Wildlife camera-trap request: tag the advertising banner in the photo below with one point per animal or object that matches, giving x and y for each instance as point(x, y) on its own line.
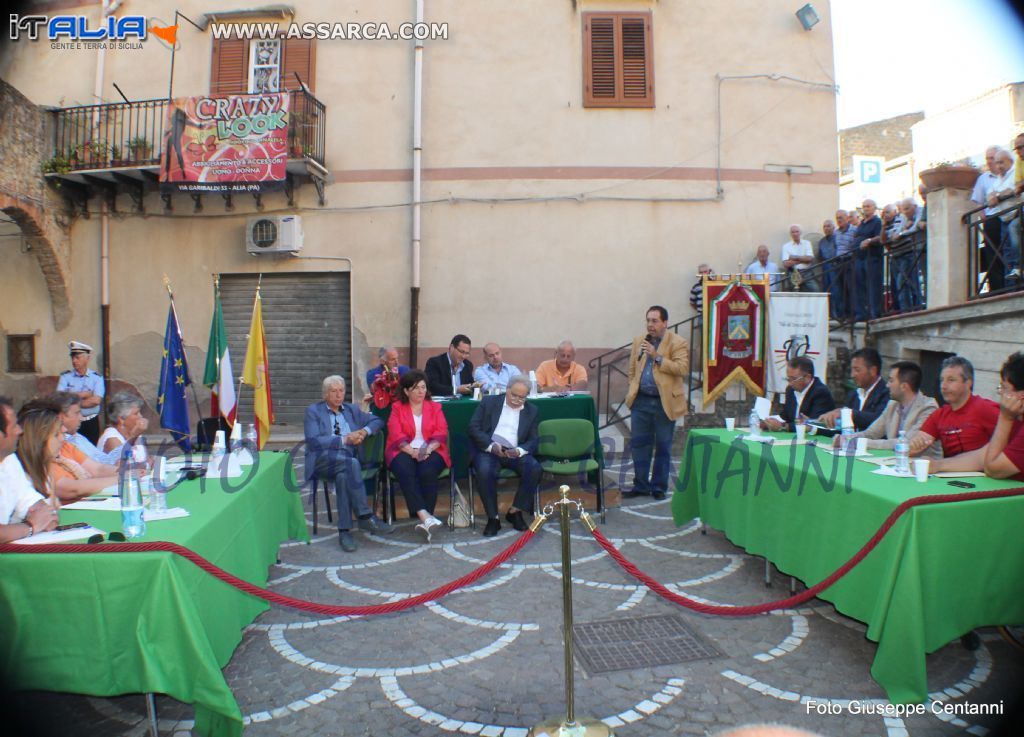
point(797, 326)
point(225, 143)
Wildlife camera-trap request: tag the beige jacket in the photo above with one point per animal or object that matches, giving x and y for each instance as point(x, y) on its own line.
point(882, 433)
point(675, 363)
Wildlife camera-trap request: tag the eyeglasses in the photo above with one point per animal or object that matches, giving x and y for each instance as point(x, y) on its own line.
point(517, 398)
point(337, 427)
point(114, 537)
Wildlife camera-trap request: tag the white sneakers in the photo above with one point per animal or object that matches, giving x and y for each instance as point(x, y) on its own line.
point(428, 525)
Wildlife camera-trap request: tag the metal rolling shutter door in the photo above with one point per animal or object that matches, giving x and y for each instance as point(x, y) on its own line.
point(306, 318)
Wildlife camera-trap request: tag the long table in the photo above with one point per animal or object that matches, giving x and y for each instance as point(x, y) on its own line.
point(458, 413)
point(152, 622)
point(941, 571)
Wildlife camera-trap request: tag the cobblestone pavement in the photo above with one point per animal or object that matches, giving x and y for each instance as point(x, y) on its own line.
point(488, 660)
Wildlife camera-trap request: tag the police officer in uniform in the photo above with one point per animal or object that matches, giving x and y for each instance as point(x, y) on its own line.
point(88, 385)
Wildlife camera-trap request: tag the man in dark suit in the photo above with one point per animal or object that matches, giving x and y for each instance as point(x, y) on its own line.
point(805, 395)
point(868, 264)
point(334, 430)
point(870, 395)
point(451, 372)
point(503, 431)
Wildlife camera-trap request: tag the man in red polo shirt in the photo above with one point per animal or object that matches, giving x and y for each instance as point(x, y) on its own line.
point(965, 423)
point(1004, 454)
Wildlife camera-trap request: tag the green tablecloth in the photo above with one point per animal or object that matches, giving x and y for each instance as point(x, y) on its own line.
point(941, 571)
point(458, 412)
point(105, 625)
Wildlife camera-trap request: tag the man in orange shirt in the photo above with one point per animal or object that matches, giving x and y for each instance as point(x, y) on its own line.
point(562, 373)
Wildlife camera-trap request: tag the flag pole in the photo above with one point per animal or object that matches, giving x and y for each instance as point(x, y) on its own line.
point(195, 396)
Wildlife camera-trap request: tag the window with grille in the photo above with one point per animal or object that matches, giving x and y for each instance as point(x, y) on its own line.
point(265, 66)
point(618, 60)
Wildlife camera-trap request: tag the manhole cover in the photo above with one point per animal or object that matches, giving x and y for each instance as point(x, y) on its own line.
point(638, 642)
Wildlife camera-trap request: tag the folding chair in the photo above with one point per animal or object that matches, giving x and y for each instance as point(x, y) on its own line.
point(567, 449)
point(371, 461)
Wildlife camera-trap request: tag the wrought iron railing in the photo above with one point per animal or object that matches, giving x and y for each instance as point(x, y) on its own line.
point(131, 134)
point(612, 371)
point(993, 251)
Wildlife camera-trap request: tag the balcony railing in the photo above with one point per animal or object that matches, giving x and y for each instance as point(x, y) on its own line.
point(131, 134)
point(993, 251)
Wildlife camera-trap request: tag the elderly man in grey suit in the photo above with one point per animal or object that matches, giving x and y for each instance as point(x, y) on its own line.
point(906, 410)
point(334, 430)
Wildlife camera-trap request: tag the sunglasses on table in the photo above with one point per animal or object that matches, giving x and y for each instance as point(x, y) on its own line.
point(114, 537)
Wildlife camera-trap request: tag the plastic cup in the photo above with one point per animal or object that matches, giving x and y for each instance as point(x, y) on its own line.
point(730, 423)
point(862, 446)
point(801, 432)
point(921, 469)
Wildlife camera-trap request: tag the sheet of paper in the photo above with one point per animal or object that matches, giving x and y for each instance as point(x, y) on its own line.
point(886, 471)
point(763, 407)
point(96, 504)
point(65, 536)
point(151, 515)
point(958, 474)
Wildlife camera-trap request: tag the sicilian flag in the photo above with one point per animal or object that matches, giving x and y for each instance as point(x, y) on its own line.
point(218, 376)
point(256, 373)
point(172, 401)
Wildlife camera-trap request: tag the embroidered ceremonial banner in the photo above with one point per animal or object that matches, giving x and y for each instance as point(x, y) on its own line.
point(734, 335)
point(797, 326)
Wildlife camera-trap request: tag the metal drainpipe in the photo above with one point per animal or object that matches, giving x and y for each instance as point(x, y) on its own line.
point(417, 154)
point(109, 6)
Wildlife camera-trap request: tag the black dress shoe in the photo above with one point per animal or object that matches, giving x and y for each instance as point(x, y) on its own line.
point(659, 495)
point(492, 527)
point(633, 493)
point(517, 521)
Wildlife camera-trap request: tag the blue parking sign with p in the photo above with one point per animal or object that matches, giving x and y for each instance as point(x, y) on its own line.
point(870, 172)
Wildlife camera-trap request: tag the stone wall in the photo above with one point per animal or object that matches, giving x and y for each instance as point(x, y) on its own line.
point(26, 198)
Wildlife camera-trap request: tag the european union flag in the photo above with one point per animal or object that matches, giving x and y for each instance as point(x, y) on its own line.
point(171, 401)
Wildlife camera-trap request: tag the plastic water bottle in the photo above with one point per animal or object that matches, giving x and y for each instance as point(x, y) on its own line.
point(848, 443)
point(902, 453)
point(251, 441)
point(133, 522)
point(140, 456)
point(754, 423)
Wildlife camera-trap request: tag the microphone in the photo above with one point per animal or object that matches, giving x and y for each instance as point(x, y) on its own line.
point(648, 338)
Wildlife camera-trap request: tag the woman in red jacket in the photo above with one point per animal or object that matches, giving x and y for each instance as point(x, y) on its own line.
point(417, 449)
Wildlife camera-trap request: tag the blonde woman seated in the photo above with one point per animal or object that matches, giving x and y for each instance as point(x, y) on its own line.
point(124, 413)
point(417, 450)
point(57, 467)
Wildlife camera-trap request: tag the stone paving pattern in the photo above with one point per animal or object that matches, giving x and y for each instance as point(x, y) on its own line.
point(488, 660)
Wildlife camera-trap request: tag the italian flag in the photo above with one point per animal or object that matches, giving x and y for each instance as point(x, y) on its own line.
point(218, 376)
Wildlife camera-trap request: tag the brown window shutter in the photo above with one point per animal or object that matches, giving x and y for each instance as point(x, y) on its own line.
point(229, 71)
point(299, 58)
point(618, 60)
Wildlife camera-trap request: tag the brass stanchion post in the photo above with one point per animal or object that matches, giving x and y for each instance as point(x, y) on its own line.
point(569, 726)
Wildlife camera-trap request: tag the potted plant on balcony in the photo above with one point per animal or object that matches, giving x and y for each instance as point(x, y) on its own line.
point(93, 153)
point(296, 120)
point(57, 164)
point(140, 148)
point(951, 175)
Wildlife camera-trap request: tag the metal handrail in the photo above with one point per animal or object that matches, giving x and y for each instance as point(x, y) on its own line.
point(979, 249)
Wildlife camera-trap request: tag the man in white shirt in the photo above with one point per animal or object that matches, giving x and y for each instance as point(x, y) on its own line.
point(797, 257)
point(503, 431)
point(987, 190)
point(23, 511)
point(764, 266)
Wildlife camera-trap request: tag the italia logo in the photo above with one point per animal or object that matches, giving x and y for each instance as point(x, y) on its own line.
point(80, 28)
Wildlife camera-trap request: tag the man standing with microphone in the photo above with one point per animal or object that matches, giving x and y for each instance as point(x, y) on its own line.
point(658, 362)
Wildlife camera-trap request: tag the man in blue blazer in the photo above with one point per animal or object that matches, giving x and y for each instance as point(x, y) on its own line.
point(334, 429)
point(805, 395)
point(503, 431)
point(869, 397)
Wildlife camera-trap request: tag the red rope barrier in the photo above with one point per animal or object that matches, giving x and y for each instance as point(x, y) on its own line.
point(329, 610)
point(804, 596)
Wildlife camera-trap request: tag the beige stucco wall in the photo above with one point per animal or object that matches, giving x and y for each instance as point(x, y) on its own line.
point(580, 255)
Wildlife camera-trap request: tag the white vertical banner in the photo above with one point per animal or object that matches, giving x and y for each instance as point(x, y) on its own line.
point(797, 326)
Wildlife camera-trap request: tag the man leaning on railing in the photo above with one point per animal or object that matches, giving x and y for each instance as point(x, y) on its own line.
point(903, 242)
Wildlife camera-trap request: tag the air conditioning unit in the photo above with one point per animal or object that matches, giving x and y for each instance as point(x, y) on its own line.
point(274, 234)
